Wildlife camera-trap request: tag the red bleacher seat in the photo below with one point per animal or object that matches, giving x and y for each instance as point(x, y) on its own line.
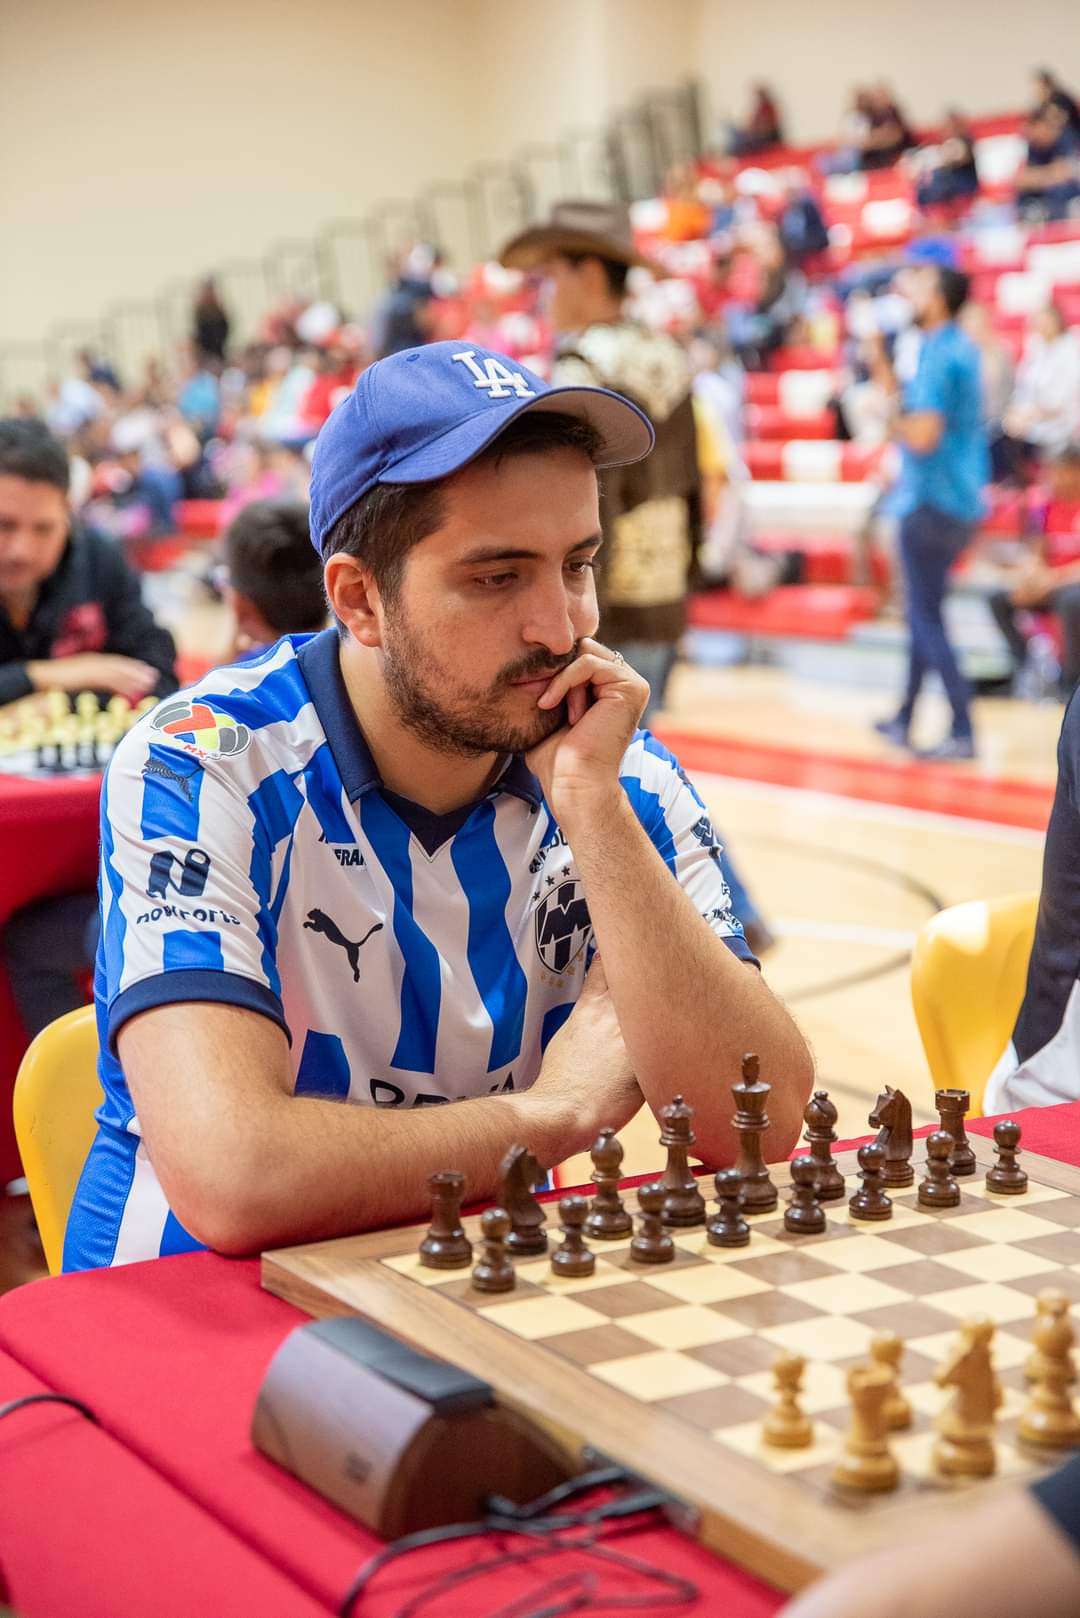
point(772, 423)
point(803, 357)
point(812, 460)
point(828, 558)
point(807, 612)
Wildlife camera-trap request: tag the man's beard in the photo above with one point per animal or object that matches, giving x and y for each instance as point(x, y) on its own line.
point(461, 719)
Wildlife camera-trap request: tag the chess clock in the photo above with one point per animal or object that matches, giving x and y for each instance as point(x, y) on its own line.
point(396, 1438)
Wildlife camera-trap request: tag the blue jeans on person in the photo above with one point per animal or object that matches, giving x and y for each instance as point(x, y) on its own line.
point(654, 661)
point(930, 542)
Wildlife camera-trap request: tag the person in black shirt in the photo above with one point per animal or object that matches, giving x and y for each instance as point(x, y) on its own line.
point(1051, 95)
point(1049, 179)
point(71, 611)
point(1014, 1555)
point(951, 173)
point(210, 322)
point(71, 619)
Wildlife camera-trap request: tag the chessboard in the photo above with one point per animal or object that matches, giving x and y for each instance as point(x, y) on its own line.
point(668, 1368)
point(55, 734)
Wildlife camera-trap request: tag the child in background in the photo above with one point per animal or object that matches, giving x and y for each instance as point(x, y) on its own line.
point(273, 578)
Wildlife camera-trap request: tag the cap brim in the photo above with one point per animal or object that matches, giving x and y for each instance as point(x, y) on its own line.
point(626, 432)
point(540, 242)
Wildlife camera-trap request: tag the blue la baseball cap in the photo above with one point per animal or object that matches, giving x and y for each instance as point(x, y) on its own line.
point(426, 412)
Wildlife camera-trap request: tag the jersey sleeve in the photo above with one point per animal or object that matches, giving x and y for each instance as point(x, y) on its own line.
point(189, 877)
point(929, 388)
point(681, 831)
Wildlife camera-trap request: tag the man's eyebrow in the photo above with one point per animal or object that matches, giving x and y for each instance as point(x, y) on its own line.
point(502, 553)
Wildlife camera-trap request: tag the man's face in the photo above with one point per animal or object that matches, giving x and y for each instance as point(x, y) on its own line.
point(567, 298)
point(34, 522)
point(924, 290)
point(494, 603)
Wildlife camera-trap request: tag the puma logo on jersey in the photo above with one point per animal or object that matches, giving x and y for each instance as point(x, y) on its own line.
point(320, 922)
point(497, 380)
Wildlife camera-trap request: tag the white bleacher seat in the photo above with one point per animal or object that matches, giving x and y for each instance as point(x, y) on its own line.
point(888, 216)
point(804, 393)
point(757, 183)
point(999, 244)
point(649, 216)
point(809, 460)
point(1021, 292)
point(845, 188)
point(1057, 262)
point(808, 508)
point(997, 158)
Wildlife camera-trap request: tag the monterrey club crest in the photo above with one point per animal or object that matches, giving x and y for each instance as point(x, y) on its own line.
point(199, 729)
point(562, 925)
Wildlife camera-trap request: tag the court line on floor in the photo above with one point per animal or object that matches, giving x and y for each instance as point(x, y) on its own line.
point(843, 932)
point(948, 790)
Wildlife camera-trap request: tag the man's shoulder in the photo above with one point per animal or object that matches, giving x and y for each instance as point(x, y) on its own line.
point(653, 765)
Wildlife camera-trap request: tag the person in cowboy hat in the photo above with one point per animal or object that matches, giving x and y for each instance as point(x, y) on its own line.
point(651, 512)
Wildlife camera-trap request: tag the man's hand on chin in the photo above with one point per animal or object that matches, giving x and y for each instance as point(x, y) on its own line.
point(578, 765)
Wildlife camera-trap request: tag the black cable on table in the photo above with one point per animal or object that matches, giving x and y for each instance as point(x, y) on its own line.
point(48, 1398)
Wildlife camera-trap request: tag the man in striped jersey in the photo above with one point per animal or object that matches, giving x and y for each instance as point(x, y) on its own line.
point(423, 858)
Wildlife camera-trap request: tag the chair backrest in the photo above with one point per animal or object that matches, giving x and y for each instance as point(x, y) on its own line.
point(56, 1094)
point(968, 972)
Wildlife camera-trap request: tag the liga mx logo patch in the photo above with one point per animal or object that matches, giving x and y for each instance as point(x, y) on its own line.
point(562, 925)
point(200, 729)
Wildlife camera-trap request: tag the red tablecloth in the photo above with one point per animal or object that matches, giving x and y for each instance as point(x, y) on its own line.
point(170, 1356)
point(48, 844)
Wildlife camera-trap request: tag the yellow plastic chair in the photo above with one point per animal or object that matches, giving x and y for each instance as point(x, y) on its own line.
point(968, 971)
point(56, 1094)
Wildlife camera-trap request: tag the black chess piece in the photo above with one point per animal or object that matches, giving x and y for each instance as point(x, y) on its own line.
point(684, 1204)
point(820, 1120)
point(951, 1106)
point(607, 1219)
point(1006, 1176)
point(652, 1244)
point(446, 1246)
point(939, 1189)
point(727, 1227)
point(871, 1201)
point(494, 1270)
point(804, 1215)
point(750, 1123)
point(891, 1117)
point(572, 1257)
point(519, 1175)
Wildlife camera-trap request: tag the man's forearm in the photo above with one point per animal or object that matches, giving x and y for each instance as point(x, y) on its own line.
point(688, 1008)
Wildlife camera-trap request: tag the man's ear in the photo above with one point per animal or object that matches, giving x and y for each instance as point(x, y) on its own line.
point(354, 598)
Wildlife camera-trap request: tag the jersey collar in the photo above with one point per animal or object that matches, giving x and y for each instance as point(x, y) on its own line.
point(319, 664)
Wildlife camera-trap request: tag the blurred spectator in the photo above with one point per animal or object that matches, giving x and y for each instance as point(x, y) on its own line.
point(198, 394)
point(1049, 579)
point(71, 613)
point(1051, 96)
point(339, 365)
point(885, 136)
point(802, 228)
point(998, 372)
point(98, 370)
point(946, 171)
point(73, 404)
point(1044, 414)
point(273, 577)
point(864, 400)
point(757, 330)
point(262, 471)
point(403, 317)
point(210, 323)
point(688, 218)
point(1049, 179)
point(762, 128)
point(284, 420)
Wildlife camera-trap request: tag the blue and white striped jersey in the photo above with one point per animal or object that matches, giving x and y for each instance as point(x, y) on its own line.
point(249, 854)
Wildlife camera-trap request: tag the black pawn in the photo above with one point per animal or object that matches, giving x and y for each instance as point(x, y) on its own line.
point(819, 1118)
point(493, 1270)
point(1006, 1176)
point(727, 1227)
point(871, 1201)
point(446, 1246)
point(804, 1215)
point(573, 1258)
point(652, 1244)
point(939, 1189)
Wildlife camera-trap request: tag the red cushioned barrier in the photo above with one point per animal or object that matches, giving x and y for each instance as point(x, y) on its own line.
point(49, 833)
point(87, 1528)
point(803, 358)
point(171, 1354)
point(199, 519)
point(807, 612)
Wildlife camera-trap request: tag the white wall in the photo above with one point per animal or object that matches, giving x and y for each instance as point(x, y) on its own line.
point(976, 53)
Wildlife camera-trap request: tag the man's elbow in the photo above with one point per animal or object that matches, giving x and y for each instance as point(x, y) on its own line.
point(787, 1104)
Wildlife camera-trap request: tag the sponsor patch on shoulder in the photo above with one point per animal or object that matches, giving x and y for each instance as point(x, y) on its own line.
point(198, 729)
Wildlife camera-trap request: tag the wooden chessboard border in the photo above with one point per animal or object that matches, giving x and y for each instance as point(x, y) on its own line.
point(731, 1499)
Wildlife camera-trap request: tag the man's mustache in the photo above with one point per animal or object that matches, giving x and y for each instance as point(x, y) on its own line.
point(536, 664)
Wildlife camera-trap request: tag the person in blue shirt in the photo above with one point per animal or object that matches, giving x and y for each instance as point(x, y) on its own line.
point(424, 863)
point(939, 498)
